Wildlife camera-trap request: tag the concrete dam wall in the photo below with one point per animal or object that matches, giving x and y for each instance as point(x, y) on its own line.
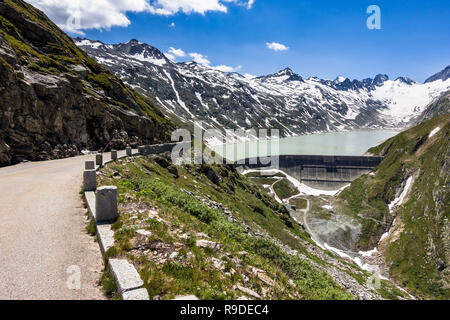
point(320, 172)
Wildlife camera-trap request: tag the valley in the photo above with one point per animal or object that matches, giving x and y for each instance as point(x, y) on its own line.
point(358, 189)
point(380, 218)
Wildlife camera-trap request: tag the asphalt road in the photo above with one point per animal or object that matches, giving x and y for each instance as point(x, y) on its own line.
point(43, 242)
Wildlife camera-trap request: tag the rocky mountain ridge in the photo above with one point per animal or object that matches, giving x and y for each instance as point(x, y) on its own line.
point(55, 101)
point(283, 100)
point(439, 107)
point(442, 75)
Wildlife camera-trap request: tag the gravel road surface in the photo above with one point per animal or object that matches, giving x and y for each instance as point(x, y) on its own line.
point(43, 241)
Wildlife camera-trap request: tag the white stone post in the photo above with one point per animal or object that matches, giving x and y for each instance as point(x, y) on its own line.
point(106, 204)
point(99, 159)
point(89, 165)
point(89, 180)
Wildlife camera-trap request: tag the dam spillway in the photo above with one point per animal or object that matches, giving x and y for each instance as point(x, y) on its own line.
point(317, 171)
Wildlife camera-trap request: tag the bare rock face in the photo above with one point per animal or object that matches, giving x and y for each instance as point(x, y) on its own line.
point(442, 75)
point(5, 154)
point(49, 118)
point(55, 101)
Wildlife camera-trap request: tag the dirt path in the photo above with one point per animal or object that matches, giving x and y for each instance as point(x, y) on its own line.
point(42, 232)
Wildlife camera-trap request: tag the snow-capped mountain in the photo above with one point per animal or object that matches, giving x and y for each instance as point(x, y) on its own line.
point(442, 75)
point(283, 100)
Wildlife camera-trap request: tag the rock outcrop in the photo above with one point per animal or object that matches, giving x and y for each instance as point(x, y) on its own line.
point(438, 107)
point(441, 75)
point(55, 101)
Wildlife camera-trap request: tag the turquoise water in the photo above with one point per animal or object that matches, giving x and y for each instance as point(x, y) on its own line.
point(351, 143)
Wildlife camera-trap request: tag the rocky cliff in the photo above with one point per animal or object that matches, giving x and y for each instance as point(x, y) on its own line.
point(55, 101)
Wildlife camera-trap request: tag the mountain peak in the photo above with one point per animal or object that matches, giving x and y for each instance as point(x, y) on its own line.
point(405, 80)
point(340, 79)
point(141, 51)
point(441, 75)
point(134, 41)
point(286, 72)
point(380, 79)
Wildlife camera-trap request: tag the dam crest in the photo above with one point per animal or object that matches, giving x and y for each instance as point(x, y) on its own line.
point(318, 171)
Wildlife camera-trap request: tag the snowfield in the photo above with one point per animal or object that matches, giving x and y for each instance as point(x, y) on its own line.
point(405, 101)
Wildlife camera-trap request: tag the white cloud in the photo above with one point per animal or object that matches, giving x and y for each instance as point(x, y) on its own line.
point(276, 46)
point(250, 4)
point(200, 59)
point(177, 52)
point(173, 53)
point(76, 15)
point(170, 56)
point(249, 76)
point(204, 61)
point(225, 68)
point(170, 7)
point(172, 25)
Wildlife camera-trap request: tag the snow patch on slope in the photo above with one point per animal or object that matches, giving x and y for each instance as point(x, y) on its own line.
point(401, 198)
point(141, 57)
point(302, 188)
point(404, 101)
point(432, 133)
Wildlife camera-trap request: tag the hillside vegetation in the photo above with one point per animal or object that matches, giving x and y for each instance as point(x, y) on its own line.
point(209, 231)
point(417, 249)
point(56, 101)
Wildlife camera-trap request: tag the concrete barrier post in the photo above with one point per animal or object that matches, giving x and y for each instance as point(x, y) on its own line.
point(106, 204)
point(141, 150)
point(114, 155)
point(89, 180)
point(89, 165)
point(129, 151)
point(99, 159)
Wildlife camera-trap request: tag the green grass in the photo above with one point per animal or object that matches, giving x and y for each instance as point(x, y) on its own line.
point(109, 285)
point(285, 189)
point(390, 292)
point(192, 272)
point(101, 80)
point(259, 175)
point(263, 181)
point(90, 228)
point(299, 203)
point(6, 64)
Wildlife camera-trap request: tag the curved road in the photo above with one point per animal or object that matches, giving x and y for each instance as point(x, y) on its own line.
point(42, 233)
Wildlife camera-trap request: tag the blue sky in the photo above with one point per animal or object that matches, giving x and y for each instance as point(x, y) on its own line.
point(324, 38)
